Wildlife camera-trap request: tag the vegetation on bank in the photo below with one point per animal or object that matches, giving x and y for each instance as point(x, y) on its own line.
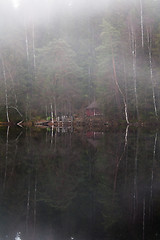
point(59, 65)
point(99, 124)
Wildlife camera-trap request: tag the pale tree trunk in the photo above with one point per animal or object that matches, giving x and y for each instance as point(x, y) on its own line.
point(12, 80)
point(15, 96)
point(26, 44)
point(27, 107)
point(134, 55)
point(142, 27)
point(55, 107)
point(89, 82)
point(46, 111)
point(52, 119)
point(27, 56)
point(125, 80)
point(149, 41)
point(33, 48)
point(6, 91)
point(117, 84)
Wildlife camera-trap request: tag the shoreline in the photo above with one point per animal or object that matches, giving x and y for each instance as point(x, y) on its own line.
point(83, 123)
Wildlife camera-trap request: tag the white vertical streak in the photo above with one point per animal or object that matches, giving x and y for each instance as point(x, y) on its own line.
point(142, 27)
point(151, 72)
point(6, 92)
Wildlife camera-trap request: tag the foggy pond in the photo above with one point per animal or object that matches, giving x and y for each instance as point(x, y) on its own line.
point(88, 65)
point(60, 184)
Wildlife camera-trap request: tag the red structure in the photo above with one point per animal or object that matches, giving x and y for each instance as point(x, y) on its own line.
point(93, 110)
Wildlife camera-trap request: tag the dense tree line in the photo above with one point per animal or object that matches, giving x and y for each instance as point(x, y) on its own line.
point(62, 55)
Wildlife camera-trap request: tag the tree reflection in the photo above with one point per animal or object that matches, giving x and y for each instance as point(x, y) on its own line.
point(82, 185)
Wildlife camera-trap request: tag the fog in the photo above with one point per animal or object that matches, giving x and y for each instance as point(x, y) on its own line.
point(43, 10)
point(15, 13)
point(70, 52)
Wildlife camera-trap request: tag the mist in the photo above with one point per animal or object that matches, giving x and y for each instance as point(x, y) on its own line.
point(79, 119)
point(68, 53)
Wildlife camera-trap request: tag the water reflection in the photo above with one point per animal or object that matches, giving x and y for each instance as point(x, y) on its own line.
point(79, 185)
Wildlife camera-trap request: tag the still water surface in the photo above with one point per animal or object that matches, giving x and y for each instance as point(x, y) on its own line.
point(65, 185)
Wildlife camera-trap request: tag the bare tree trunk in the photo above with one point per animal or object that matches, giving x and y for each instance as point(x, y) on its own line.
point(149, 40)
point(134, 55)
point(55, 107)
point(89, 82)
point(26, 43)
point(46, 110)
point(6, 91)
point(15, 96)
point(11, 77)
point(28, 57)
point(142, 27)
point(52, 119)
point(125, 80)
point(33, 48)
point(119, 89)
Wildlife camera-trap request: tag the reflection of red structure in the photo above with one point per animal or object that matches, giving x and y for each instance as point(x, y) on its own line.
point(90, 134)
point(95, 135)
point(93, 110)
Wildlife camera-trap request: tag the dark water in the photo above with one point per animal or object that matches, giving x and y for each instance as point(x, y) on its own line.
point(79, 185)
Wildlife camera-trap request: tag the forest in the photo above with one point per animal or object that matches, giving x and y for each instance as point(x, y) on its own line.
point(60, 55)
